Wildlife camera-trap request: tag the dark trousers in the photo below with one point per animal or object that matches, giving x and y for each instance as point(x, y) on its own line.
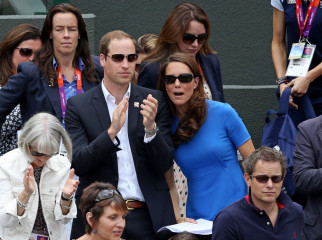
point(139, 226)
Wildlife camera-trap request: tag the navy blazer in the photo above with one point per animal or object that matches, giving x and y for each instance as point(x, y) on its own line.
point(94, 155)
point(30, 89)
point(149, 74)
point(308, 174)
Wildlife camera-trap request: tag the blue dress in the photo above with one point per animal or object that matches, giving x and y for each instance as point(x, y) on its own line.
point(209, 161)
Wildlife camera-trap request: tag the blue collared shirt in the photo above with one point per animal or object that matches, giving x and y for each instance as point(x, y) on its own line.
point(70, 88)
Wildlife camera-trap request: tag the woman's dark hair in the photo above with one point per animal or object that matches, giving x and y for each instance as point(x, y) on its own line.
point(44, 58)
point(10, 42)
point(88, 203)
point(175, 27)
point(197, 110)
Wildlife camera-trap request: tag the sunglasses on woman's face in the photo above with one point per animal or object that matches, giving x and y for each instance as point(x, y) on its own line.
point(183, 78)
point(120, 57)
point(190, 38)
point(38, 154)
point(25, 52)
point(264, 178)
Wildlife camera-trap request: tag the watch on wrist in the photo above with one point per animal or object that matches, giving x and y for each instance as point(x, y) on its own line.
point(153, 131)
point(66, 199)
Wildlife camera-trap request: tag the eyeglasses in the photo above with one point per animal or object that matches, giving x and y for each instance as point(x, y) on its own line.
point(25, 52)
point(120, 57)
point(38, 154)
point(105, 194)
point(183, 78)
point(190, 38)
point(137, 67)
point(264, 178)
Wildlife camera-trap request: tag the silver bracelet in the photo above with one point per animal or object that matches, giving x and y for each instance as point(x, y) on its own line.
point(20, 204)
point(61, 204)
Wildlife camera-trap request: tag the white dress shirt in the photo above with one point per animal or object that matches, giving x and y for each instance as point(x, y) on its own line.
point(128, 184)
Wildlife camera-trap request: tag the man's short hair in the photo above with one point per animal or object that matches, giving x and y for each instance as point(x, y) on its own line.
point(184, 236)
point(265, 154)
point(108, 37)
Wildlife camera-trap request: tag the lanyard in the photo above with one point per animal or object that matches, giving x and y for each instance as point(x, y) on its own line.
point(310, 14)
point(62, 94)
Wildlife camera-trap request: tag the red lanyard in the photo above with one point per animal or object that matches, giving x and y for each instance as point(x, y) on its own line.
point(299, 16)
point(62, 94)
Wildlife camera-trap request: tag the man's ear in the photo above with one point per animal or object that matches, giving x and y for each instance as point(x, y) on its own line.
point(248, 179)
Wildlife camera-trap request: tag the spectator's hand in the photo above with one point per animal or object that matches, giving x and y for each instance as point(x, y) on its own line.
point(149, 112)
point(29, 180)
point(181, 220)
point(70, 185)
point(119, 117)
point(300, 86)
point(282, 87)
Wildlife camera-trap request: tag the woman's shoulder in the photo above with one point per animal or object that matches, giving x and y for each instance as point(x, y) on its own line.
point(12, 158)
point(218, 106)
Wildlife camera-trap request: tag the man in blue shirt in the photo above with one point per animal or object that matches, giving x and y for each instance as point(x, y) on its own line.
point(266, 212)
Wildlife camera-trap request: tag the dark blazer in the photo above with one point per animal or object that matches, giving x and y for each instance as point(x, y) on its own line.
point(94, 155)
point(149, 74)
point(308, 174)
point(30, 89)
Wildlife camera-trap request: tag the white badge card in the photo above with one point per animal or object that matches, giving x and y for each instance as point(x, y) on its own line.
point(299, 67)
point(62, 149)
point(296, 51)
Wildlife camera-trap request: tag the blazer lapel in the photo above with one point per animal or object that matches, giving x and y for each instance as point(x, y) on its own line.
point(100, 106)
point(320, 132)
point(53, 95)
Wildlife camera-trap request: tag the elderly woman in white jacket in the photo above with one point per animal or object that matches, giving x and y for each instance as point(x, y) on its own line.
point(36, 183)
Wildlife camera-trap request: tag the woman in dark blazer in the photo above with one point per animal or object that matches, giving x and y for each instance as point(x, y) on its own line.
point(65, 52)
point(187, 30)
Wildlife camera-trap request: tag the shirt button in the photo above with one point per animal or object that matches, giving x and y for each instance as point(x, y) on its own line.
point(261, 213)
point(70, 87)
point(268, 223)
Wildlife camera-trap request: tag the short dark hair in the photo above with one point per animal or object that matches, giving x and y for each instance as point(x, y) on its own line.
point(88, 204)
point(108, 37)
point(184, 236)
point(265, 154)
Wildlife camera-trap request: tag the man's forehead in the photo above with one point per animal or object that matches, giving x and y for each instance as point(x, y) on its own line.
point(267, 166)
point(121, 45)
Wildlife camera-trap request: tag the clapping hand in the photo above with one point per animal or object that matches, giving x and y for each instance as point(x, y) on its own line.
point(149, 112)
point(70, 185)
point(29, 180)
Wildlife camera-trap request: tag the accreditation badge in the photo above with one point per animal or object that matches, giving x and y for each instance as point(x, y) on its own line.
point(300, 66)
point(296, 51)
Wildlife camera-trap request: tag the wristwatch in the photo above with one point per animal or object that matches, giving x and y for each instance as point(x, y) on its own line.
point(66, 199)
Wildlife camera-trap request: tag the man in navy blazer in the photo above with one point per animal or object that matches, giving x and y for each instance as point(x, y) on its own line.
point(121, 135)
point(308, 174)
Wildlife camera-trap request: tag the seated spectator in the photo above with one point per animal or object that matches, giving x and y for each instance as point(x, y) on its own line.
point(266, 213)
point(184, 236)
point(19, 45)
point(308, 174)
point(104, 210)
point(36, 183)
point(206, 134)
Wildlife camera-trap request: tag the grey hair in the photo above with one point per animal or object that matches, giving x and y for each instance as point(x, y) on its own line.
point(265, 154)
point(44, 132)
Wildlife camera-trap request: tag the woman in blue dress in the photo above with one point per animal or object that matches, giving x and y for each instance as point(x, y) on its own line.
point(206, 135)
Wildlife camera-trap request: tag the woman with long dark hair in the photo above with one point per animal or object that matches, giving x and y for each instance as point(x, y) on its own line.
point(206, 135)
point(19, 45)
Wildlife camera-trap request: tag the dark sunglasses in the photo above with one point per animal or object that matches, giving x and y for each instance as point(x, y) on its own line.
point(105, 194)
point(120, 57)
point(190, 38)
point(38, 154)
point(25, 52)
point(264, 178)
point(183, 78)
point(137, 67)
